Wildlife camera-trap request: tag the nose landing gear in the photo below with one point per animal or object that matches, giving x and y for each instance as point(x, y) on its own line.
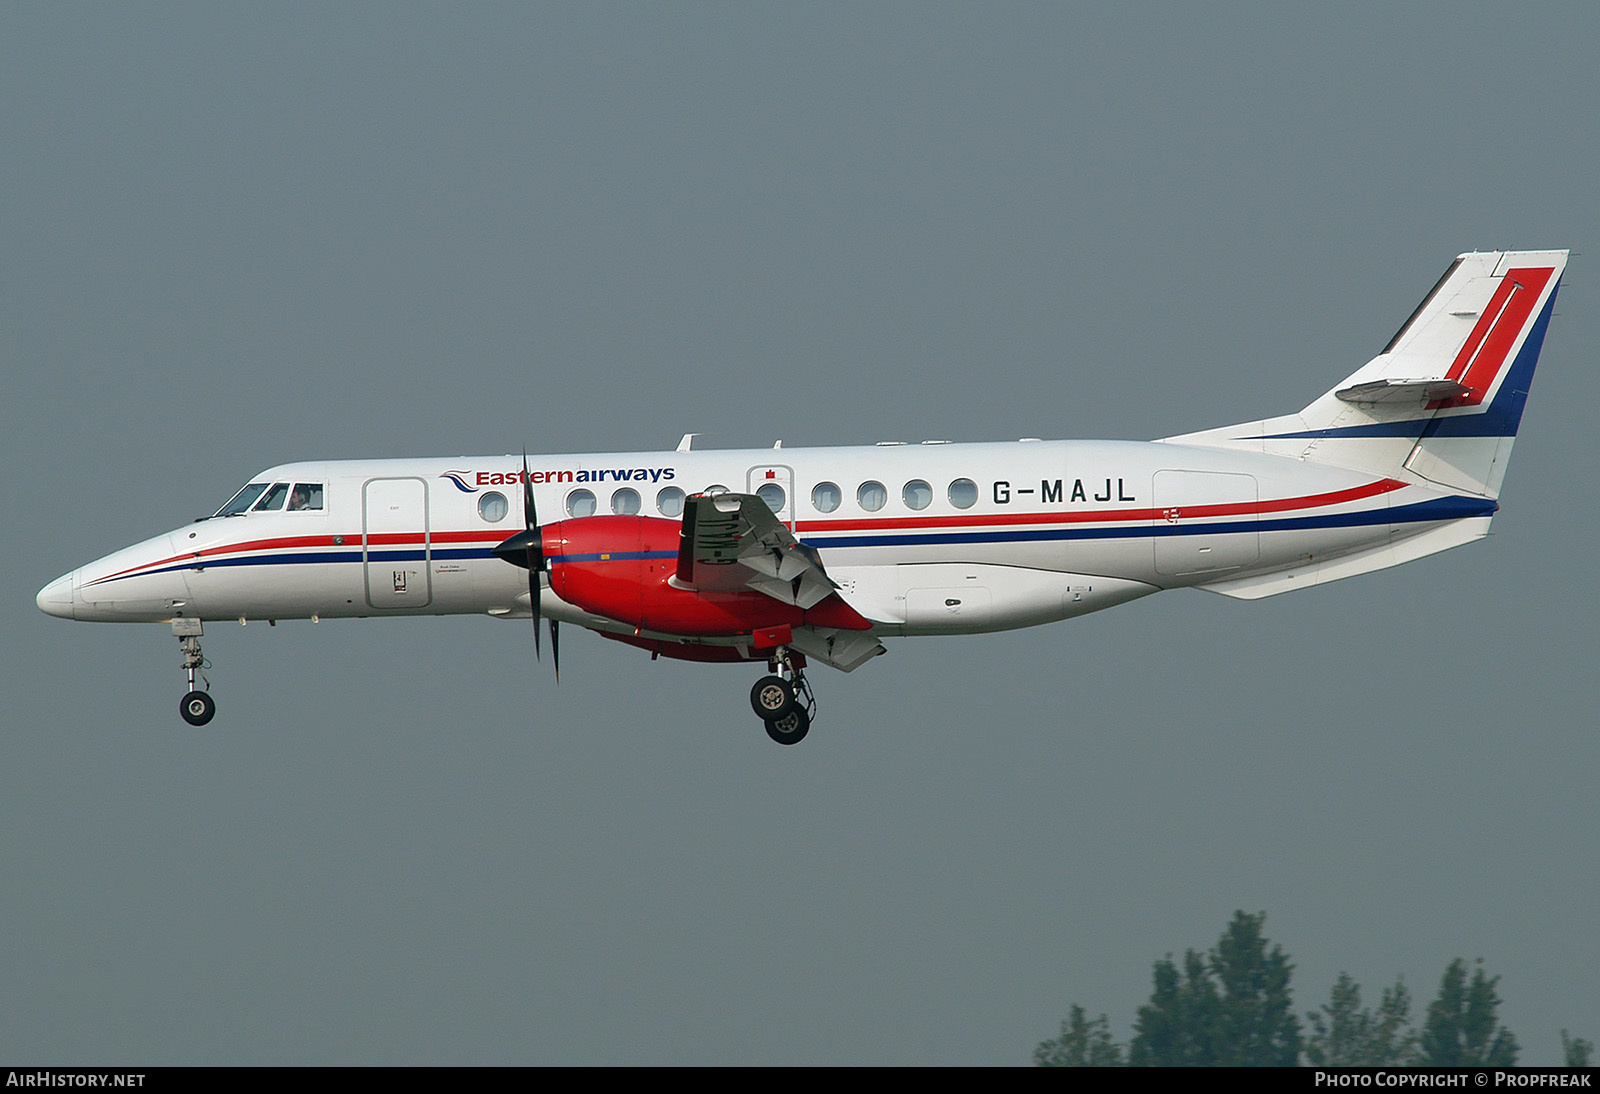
point(197, 707)
point(784, 702)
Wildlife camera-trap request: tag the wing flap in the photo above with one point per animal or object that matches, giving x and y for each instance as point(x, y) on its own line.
point(734, 541)
point(846, 650)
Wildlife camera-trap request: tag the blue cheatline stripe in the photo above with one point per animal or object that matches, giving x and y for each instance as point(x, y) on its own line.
point(1439, 509)
point(614, 556)
point(255, 560)
point(1453, 508)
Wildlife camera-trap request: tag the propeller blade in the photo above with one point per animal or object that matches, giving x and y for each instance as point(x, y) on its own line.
point(526, 549)
point(533, 596)
point(528, 514)
point(535, 548)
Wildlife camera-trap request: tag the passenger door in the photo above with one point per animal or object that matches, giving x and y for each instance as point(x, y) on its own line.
point(396, 543)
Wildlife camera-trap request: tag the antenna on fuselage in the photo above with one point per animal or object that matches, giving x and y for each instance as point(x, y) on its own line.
point(687, 444)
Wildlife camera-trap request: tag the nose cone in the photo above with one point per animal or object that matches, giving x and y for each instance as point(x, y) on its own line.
point(56, 598)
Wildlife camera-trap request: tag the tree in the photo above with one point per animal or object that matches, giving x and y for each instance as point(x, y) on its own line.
point(1082, 1044)
point(1257, 1026)
point(1177, 1027)
point(1232, 1008)
point(1344, 1034)
point(1462, 1029)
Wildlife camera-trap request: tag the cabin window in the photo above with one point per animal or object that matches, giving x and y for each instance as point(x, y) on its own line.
point(714, 489)
point(493, 506)
point(625, 502)
point(917, 494)
point(580, 503)
point(242, 500)
point(669, 503)
point(872, 495)
point(963, 493)
point(305, 496)
point(773, 495)
point(825, 496)
point(273, 498)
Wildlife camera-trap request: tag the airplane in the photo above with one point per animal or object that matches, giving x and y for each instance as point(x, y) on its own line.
point(785, 556)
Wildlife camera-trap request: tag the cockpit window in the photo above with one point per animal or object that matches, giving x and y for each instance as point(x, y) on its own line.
point(241, 501)
point(258, 497)
point(273, 499)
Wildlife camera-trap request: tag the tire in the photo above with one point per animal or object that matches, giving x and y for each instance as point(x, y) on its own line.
point(791, 729)
point(772, 697)
point(197, 708)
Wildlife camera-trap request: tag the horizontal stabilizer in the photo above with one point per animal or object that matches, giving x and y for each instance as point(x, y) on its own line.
point(1403, 391)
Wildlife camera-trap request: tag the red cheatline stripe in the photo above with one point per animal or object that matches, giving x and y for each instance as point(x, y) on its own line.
point(386, 538)
point(1190, 512)
point(290, 542)
point(353, 539)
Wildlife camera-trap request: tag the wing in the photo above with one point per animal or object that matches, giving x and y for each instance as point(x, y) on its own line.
point(731, 542)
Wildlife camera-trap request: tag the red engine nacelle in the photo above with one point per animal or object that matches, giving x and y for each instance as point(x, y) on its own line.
point(618, 567)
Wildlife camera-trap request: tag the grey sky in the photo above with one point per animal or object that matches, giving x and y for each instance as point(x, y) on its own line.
point(234, 236)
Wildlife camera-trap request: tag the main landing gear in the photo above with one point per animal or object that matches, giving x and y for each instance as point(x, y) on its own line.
point(197, 707)
point(783, 699)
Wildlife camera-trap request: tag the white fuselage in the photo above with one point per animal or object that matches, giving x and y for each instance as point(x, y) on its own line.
point(923, 538)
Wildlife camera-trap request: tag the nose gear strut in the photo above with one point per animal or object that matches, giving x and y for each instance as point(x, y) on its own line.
point(197, 707)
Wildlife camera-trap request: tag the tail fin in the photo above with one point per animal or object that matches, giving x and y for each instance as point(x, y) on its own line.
point(1443, 400)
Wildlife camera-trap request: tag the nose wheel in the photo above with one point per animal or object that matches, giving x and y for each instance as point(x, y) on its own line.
point(197, 707)
point(783, 700)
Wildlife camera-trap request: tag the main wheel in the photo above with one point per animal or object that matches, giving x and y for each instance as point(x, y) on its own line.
point(197, 708)
point(791, 729)
point(772, 697)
